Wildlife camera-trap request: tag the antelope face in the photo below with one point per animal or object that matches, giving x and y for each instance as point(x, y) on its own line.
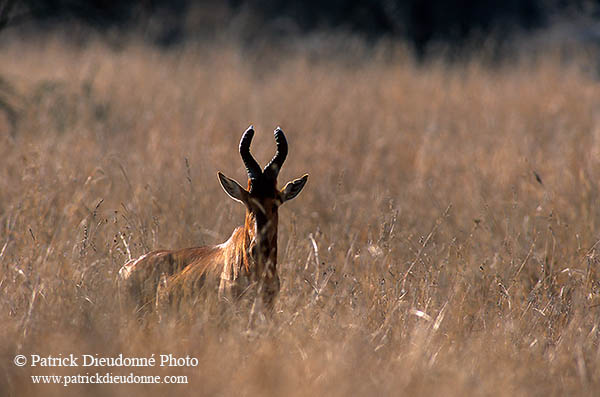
point(262, 200)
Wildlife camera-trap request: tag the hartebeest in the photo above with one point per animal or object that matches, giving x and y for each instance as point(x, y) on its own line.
point(248, 259)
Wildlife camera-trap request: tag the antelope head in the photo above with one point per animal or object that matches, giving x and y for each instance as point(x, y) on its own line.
point(262, 199)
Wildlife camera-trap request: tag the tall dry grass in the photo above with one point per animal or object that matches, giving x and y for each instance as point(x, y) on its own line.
point(446, 243)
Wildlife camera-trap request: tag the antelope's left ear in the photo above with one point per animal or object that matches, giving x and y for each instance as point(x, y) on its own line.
point(233, 189)
point(293, 188)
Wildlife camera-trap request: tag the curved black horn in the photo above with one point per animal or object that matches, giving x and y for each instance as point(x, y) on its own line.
point(272, 169)
point(252, 167)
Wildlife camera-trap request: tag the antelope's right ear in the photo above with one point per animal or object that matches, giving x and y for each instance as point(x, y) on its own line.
point(293, 188)
point(233, 189)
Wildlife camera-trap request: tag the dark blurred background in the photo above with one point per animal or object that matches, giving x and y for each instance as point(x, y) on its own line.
point(420, 23)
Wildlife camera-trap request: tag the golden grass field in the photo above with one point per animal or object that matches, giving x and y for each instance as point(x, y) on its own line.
point(446, 242)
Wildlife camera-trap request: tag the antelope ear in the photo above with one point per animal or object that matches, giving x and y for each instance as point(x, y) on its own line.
point(292, 188)
point(233, 189)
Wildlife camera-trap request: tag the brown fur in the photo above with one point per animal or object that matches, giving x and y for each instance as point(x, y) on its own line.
point(182, 272)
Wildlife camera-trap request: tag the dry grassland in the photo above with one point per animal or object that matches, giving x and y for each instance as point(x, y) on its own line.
point(445, 244)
